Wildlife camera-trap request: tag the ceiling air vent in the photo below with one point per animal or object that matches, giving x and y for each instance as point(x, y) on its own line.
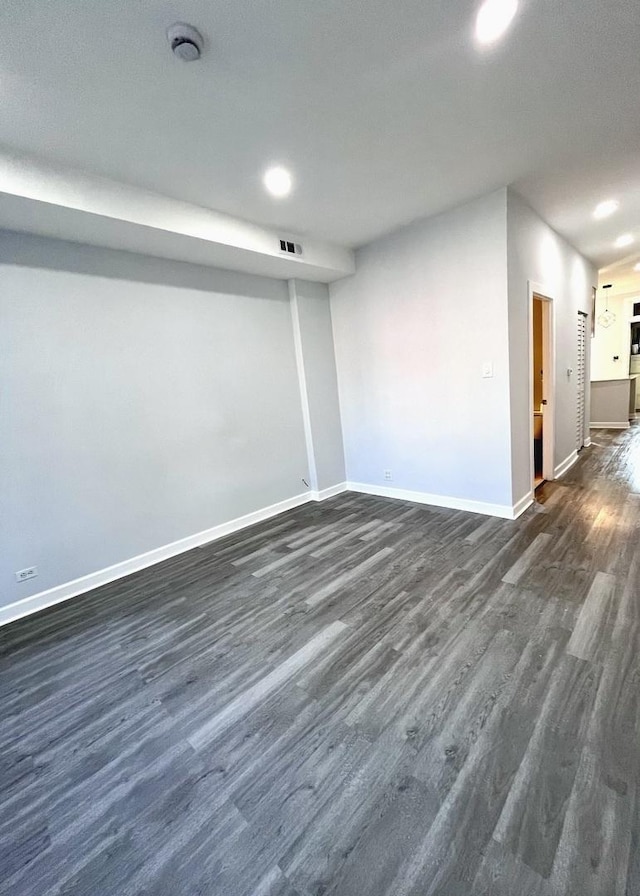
point(290, 248)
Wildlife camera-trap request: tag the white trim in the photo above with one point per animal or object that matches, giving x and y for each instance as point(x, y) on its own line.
point(505, 511)
point(302, 385)
point(610, 425)
point(60, 593)
point(587, 442)
point(64, 592)
point(523, 504)
point(566, 464)
point(330, 492)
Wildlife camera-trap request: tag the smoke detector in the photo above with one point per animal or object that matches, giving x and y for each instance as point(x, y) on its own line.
point(185, 41)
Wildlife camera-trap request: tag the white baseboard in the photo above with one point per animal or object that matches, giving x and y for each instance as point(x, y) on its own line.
point(523, 504)
point(76, 587)
point(587, 442)
point(66, 591)
point(330, 492)
point(623, 425)
point(566, 465)
point(505, 511)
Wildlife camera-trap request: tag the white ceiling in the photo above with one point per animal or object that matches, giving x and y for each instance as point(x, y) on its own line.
point(384, 111)
point(66, 204)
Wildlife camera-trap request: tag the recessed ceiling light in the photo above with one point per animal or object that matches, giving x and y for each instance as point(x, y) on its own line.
point(637, 267)
point(278, 181)
point(493, 19)
point(604, 209)
point(625, 240)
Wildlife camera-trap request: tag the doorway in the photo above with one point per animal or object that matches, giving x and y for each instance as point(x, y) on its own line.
point(538, 395)
point(542, 387)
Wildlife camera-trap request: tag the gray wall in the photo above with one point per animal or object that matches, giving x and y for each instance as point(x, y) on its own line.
point(611, 401)
point(141, 402)
point(536, 253)
point(425, 308)
point(313, 319)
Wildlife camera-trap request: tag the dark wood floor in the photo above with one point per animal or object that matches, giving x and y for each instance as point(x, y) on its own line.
point(358, 698)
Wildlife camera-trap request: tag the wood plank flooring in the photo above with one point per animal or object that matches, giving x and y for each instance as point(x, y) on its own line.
point(358, 698)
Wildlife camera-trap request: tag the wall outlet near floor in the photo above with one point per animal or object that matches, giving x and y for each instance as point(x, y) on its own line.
point(387, 474)
point(30, 573)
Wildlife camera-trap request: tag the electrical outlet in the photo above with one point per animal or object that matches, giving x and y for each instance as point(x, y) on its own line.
point(30, 573)
point(387, 474)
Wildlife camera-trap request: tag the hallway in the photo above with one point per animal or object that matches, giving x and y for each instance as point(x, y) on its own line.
point(363, 696)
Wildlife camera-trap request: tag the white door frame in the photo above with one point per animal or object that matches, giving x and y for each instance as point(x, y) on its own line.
point(545, 294)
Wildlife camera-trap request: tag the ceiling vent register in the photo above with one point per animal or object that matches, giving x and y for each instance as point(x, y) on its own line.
point(290, 248)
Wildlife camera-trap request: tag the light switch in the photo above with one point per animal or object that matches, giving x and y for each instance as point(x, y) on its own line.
point(487, 369)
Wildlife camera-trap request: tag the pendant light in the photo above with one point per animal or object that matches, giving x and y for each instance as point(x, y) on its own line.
point(607, 318)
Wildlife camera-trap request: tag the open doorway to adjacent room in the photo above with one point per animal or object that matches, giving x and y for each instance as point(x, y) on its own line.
point(542, 389)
